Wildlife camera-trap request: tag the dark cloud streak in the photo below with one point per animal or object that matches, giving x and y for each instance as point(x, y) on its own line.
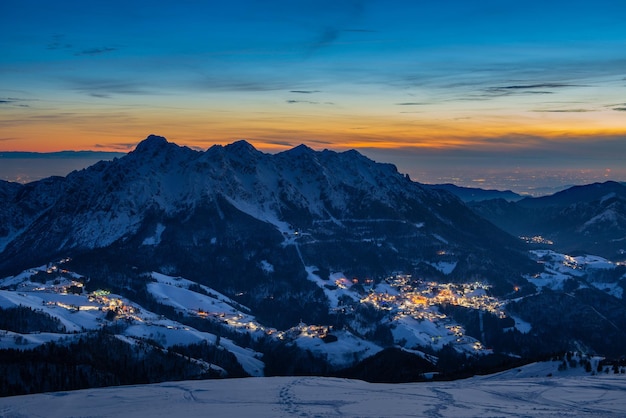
point(58, 43)
point(563, 110)
point(537, 86)
point(122, 146)
point(104, 88)
point(523, 89)
point(308, 102)
point(14, 102)
point(95, 51)
point(325, 38)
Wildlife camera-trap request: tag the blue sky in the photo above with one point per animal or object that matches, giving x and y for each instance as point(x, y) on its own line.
point(473, 83)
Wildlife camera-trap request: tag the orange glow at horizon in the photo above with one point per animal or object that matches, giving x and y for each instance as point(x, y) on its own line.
point(274, 132)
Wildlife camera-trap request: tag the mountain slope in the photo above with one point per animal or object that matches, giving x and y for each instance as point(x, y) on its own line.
point(250, 223)
point(473, 194)
point(582, 219)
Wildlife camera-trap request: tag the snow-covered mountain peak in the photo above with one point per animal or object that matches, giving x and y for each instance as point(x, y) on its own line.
point(159, 147)
point(298, 151)
point(152, 142)
point(241, 147)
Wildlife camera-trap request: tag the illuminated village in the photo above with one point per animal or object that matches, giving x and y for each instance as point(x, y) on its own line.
point(416, 298)
point(399, 298)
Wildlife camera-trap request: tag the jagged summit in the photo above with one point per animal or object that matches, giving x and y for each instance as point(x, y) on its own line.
point(152, 142)
point(299, 150)
point(241, 146)
point(158, 146)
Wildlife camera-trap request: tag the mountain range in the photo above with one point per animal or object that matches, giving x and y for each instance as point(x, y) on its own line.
point(300, 262)
point(582, 219)
point(222, 215)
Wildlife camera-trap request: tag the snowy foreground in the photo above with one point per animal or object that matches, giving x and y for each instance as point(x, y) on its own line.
point(491, 396)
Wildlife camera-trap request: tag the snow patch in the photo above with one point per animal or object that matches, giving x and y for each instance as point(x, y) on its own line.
point(156, 238)
point(345, 352)
point(440, 238)
point(521, 325)
point(607, 197)
point(267, 267)
point(446, 267)
point(609, 216)
point(336, 287)
point(410, 332)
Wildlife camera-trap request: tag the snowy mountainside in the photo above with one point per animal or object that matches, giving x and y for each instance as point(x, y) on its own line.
point(231, 210)
point(60, 294)
point(589, 219)
point(579, 303)
point(451, 321)
point(564, 272)
point(399, 329)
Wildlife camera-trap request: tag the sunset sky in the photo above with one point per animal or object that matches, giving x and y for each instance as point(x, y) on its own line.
point(486, 83)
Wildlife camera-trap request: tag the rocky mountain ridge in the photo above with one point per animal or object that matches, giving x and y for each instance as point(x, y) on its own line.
point(166, 194)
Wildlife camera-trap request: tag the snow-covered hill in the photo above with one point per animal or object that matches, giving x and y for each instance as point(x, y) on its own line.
point(59, 294)
point(328, 397)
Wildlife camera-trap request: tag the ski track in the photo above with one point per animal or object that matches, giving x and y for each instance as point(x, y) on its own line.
point(293, 405)
point(314, 397)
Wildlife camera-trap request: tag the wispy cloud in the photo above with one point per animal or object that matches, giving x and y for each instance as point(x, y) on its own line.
point(308, 102)
point(14, 102)
point(105, 88)
point(58, 42)
point(536, 86)
point(562, 110)
point(326, 37)
point(281, 143)
point(620, 109)
point(519, 150)
point(100, 95)
point(95, 51)
point(238, 83)
point(121, 146)
point(304, 91)
point(517, 89)
point(412, 104)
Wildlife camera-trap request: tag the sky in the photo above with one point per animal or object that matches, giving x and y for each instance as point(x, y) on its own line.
point(427, 85)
